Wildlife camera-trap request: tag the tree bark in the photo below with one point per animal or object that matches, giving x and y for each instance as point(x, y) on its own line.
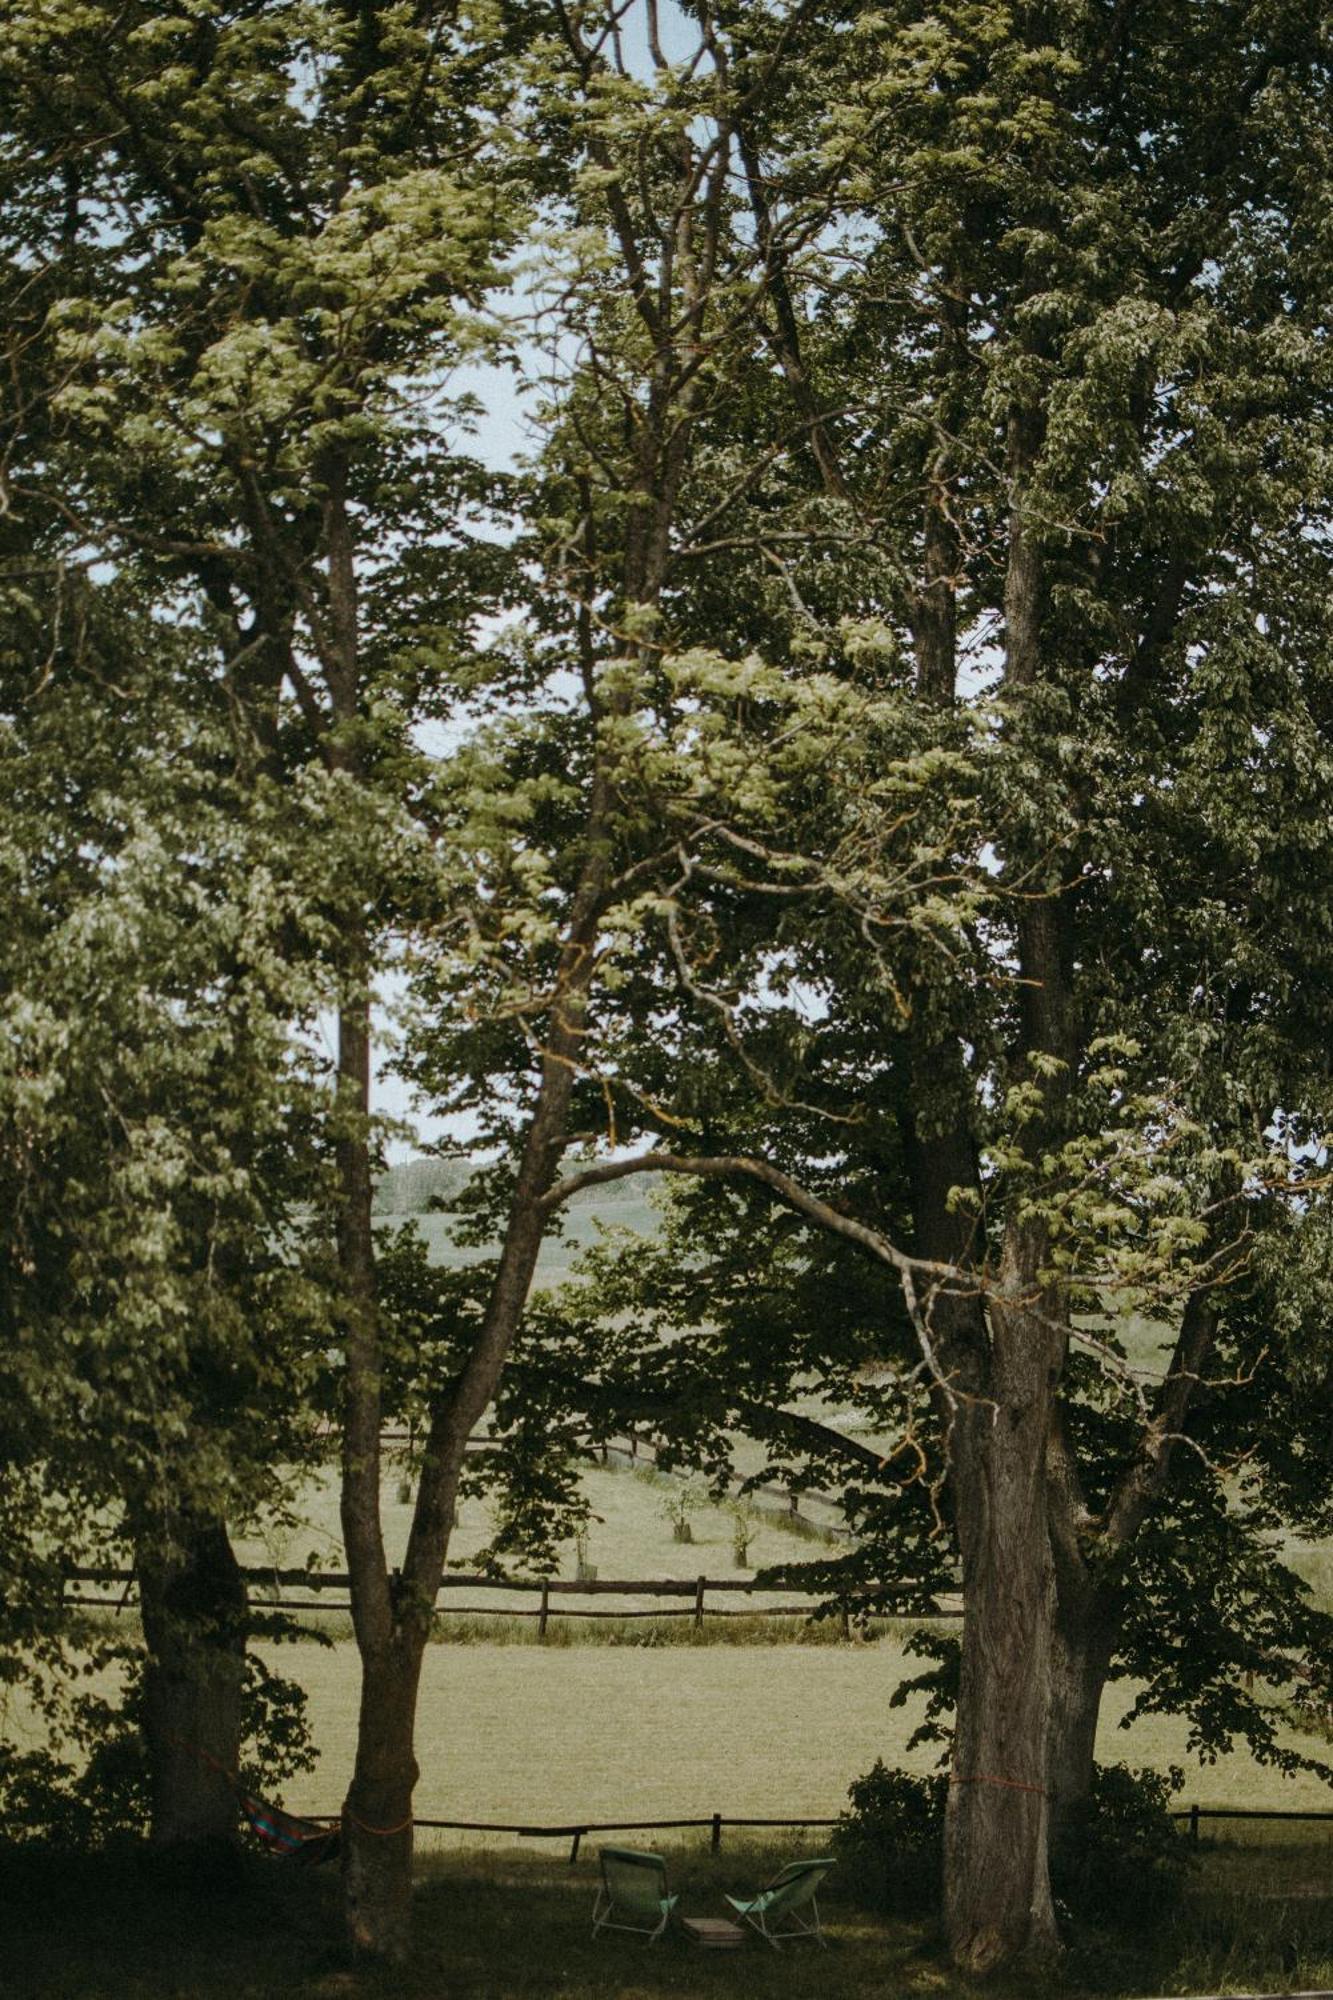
point(1082, 1646)
point(997, 1902)
point(193, 1603)
point(390, 1630)
point(1082, 1642)
point(377, 1814)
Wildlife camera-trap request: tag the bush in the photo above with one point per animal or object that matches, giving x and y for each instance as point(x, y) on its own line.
point(1121, 1848)
point(890, 1841)
point(47, 1800)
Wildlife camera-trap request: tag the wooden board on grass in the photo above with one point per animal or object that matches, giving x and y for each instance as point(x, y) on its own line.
point(713, 1933)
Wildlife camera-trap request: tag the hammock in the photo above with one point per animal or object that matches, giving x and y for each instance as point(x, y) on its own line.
point(304, 1841)
point(307, 1841)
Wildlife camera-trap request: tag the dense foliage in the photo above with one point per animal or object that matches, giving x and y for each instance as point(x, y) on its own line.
point(868, 760)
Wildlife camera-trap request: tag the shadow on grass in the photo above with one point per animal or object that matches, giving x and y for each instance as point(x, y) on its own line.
point(507, 1925)
point(120, 1927)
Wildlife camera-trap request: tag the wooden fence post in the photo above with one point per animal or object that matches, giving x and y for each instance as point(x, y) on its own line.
point(574, 1850)
point(717, 1832)
point(544, 1613)
point(1194, 1825)
point(699, 1603)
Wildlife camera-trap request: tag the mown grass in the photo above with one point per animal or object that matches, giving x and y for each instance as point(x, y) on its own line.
point(585, 1731)
point(510, 1925)
point(1314, 1562)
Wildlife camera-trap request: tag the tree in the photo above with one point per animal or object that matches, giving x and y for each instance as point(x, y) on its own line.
point(1094, 371)
point(260, 243)
point(999, 339)
point(152, 1335)
point(1093, 376)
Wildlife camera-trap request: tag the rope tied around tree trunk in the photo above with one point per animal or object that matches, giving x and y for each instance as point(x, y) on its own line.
point(378, 1832)
point(1009, 1784)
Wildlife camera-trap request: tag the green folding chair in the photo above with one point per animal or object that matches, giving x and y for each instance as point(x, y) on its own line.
point(632, 1895)
point(791, 1895)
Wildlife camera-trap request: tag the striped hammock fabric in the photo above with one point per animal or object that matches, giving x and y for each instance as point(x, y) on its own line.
point(293, 1839)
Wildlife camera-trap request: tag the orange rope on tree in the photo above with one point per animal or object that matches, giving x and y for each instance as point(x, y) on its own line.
point(1010, 1784)
point(381, 1833)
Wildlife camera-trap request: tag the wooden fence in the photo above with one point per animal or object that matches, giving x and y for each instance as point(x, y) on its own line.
point(1193, 1814)
point(575, 1833)
point(694, 1590)
point(714, 1822)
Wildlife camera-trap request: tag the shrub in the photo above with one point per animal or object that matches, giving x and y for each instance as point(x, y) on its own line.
point(682, 1503)
point(744, 1521)
point(1121, 1847)
point(890, 1841)
point(49, 1800)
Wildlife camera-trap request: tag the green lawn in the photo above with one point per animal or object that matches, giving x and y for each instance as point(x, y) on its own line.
point(537, 1735)
point(517, 1925)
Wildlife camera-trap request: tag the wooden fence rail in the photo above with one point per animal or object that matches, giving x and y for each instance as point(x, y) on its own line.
point(1195, 1813)
point(695, 1589)
point(575, 1833)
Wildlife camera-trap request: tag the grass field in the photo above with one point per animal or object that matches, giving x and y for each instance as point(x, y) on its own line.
point(623, 1725)
point(621, 1721)
point(526, 1734)
point(403, 1192)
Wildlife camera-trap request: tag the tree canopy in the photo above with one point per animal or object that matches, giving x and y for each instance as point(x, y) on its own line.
point(868, 762)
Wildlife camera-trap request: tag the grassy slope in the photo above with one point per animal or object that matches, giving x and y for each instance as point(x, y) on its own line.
point(629, 1535)
point(405, 1192)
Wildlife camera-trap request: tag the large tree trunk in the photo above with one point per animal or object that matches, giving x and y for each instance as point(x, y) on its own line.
point(1082, 1643)
point(997, 1886)
point(194, 1617)
point(390, 1630)
point(376, 1829)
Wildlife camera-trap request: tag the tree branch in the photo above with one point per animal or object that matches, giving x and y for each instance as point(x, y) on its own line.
point(738, 1166)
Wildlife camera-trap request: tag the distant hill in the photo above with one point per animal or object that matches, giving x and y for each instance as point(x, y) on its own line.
point(425, 1190)
point(410, 1189)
